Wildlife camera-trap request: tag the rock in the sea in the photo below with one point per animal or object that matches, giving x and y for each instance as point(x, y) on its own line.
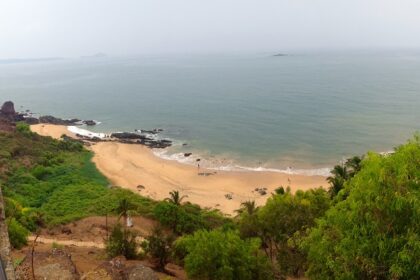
point(187, 154)
point(127, 135)
point(89, 122)
point(58, 121)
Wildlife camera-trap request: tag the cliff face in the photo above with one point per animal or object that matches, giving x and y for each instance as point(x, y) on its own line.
point(5, 244)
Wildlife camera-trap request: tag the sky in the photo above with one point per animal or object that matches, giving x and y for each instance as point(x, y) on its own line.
point(72, 28)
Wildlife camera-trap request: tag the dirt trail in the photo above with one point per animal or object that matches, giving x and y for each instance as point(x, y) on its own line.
point(68, 242)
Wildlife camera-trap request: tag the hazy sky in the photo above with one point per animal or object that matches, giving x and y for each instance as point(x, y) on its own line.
point(45, 28)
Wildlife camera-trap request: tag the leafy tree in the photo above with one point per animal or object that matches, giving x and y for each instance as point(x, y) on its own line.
point(374, 232)
point(223, 255)
point(122, 241)
point(280, 222)
point(180, 219)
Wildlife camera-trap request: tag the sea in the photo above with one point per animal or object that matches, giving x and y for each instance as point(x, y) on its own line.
point(300, 112)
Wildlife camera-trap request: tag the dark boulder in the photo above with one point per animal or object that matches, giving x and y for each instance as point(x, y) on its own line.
point(31, 120)
point(89, 122)
point(8, 109)
point(187, 154)
point(127, 135)
point(57, 121)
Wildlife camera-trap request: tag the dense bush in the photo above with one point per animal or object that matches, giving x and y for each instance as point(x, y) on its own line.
point(121, 242)
point(222, 255)
point(158, 245)
point(278, 223)
point(17, 233)
point(374, 232)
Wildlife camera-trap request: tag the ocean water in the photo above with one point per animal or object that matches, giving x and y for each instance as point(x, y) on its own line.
point(303, 112)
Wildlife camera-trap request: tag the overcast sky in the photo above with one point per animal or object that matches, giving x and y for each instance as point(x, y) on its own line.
point(45, 28)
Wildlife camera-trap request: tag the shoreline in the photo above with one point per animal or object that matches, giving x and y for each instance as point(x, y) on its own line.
point(137, 168)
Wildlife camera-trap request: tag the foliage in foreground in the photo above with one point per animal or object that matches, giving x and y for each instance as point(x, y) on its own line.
point(374, 232)
point(280, 223)
point(222, 255)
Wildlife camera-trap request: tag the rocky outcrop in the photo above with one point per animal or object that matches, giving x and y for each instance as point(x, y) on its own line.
point(119, 269)
point(57, 121)
point(8, 108)
point(49, 266)
point(127, 135)
point(89, 122)
point(137, 138)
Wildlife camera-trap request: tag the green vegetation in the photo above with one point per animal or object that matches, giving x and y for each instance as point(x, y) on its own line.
point(54, 179)
point(373, 233)
point(122, 241)
point(366, 226)
point(158, 245)
point(221, 254)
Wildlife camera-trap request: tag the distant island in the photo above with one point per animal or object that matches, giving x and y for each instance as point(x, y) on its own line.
point(96, 55)
point(280, 54)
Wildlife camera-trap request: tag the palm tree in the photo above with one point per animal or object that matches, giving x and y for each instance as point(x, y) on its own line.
point(175, 198)
point(339, 176)
point(354, 164)
point(123, 208)
point(249, 207)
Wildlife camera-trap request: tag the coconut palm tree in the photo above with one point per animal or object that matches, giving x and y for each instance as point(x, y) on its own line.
point(175, 198)
point(354, 164)
point(339, 176)
point(123, 209)
point(249, 207)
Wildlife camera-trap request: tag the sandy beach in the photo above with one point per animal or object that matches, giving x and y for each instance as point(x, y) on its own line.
point(130, 166)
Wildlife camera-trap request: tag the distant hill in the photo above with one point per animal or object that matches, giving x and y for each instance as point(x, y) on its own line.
point(26, 60)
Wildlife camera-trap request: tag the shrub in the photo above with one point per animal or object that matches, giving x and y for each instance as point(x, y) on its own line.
point(222, 255)
point(159, 246)
point(121, 242)
point(24, 129)
point(17, 233)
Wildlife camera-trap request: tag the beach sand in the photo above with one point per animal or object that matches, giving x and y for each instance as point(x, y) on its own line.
point(128, 166)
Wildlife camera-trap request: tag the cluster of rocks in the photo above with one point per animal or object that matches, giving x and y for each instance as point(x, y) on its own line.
point(8, 112)
point(261, 191)
point(143, 139)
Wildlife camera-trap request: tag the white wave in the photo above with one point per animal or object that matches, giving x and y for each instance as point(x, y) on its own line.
point(85, 132)
point(221, 166)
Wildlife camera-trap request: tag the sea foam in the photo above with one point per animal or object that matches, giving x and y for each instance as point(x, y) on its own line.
point(85, 132)
point(231, 166)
